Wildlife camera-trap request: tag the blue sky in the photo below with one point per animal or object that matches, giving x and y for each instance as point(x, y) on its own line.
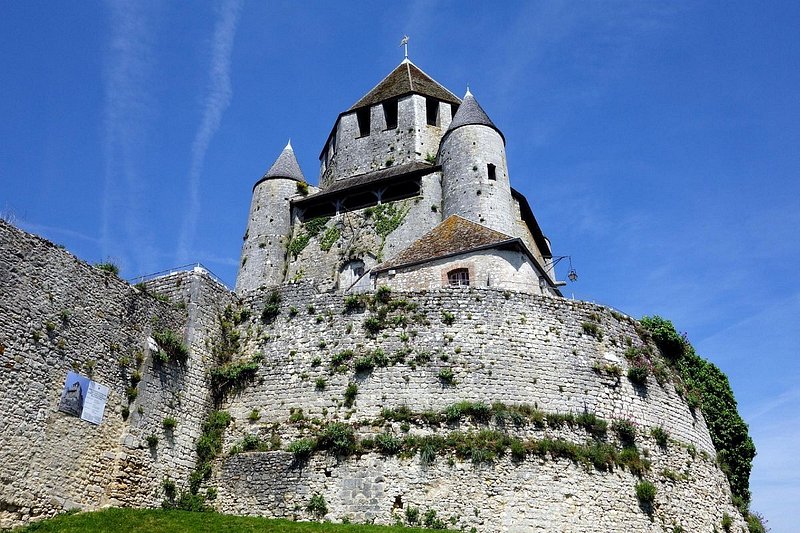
point(657, 144)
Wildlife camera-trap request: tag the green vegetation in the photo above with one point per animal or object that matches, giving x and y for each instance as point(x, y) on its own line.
point(330, 237)
point(711, 389)
point(317, 506)
point(152, 441)
point(660, 435)
point(638, 373)
point(176, 521)
point(311, 228)
point(233, 377)
point(169, 423)
point(590, 328)
point(448, 318)
point(646, 492)
point(302, 188)
point(108, 267)
point(208, 447)
point(354, 303)
point(172, 348)
point(272, 309)
point(350, 394)
point(626, 432)
point(447, 377)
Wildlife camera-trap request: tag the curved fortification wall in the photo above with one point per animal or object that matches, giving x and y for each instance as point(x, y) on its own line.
point(440, 348)
point(466, 408)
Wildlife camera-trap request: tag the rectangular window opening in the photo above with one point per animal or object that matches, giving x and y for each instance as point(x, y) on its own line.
point(432, 111)
point(390, 112)
point(492, 172)
point(362, 115)
point(458, 277)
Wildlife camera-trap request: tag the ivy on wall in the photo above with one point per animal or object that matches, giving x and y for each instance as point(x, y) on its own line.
point(710, 385)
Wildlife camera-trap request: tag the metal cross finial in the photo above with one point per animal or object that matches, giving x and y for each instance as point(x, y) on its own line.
point(404, 44)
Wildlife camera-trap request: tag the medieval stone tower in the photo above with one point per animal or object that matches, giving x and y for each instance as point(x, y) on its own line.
point(396, 350)
point(407, 138)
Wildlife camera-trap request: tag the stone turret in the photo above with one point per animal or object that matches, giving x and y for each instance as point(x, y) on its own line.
point(269, 224)
point(475, 182)
point(401, 120)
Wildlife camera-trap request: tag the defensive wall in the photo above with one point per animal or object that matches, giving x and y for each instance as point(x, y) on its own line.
point(500, 346)
point(439, 348)
point(60, 314)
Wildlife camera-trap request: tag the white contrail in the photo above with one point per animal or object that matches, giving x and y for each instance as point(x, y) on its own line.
point(127, 104)
point(216, 102)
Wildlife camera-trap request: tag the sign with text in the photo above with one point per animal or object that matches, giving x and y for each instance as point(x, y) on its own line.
point(84, 398)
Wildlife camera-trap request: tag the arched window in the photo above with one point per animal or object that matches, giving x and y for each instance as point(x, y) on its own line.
point(458, 277)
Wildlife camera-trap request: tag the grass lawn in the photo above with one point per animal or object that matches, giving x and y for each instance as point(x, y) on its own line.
point(161, 521)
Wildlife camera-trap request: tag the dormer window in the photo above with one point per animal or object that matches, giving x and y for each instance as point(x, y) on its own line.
point(458, 277)
point(492, 172)
point(390, 113)
point(362, 116)
point(432, 111)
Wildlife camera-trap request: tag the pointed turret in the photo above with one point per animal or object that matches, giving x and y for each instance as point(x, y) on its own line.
point(475, 181)
point(269, 225)
point(470, 113)
point(286, 166)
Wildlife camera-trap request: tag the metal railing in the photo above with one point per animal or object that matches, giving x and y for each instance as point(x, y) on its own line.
point(174, 270)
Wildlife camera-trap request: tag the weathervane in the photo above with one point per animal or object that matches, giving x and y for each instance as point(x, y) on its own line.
point(404, 44)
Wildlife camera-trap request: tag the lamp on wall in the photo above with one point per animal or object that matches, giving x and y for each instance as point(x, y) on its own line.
point(572, 275)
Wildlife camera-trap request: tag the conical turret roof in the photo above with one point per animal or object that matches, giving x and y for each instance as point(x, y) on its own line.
point(286, 166)
point(405, 79)
point(470, 113)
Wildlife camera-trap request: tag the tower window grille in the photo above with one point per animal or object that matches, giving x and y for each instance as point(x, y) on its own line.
point(492, 172)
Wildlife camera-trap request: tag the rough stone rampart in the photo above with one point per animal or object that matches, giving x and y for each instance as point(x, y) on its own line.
point(501, 347)
point(57, 314)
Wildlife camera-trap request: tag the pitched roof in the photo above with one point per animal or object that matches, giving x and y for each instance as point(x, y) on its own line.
point(286, 166)
point(405, 79)
point(456, 235)
point(471, 113)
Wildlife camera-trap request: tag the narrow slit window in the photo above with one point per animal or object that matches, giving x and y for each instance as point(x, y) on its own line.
point(362, 115)
point(390, 112)
point(492, 172)
point(432, 111)
point(458, 277)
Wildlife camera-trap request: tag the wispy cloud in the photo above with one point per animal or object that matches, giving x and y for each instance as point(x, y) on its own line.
point(216, 102)
point(127, 111)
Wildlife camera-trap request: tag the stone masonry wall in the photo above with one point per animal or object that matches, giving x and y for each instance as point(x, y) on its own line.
point(58, 313)
point(412, 140)
point(499, 269)
point(501, 347)
point(358, 237)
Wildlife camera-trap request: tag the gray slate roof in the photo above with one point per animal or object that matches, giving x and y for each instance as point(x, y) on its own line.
point(286, 166)
point(405, 79)
point(471, 113)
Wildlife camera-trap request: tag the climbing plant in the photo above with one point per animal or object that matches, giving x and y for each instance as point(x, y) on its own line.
point(728, 431)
